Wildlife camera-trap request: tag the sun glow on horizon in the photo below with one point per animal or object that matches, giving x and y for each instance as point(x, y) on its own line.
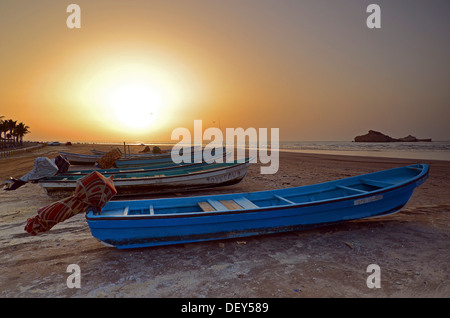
point(134, 95)
point(135, 104)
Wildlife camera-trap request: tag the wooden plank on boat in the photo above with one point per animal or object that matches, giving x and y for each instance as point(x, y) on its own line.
point(245, 203)
point(206, 207)
point(125, 211)
point(231, 205)
point(217, 205)
point(152, 211)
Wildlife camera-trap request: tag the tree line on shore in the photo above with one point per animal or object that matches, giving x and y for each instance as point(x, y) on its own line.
point(11, 132)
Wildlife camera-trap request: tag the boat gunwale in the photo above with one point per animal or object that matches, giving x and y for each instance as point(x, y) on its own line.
point(422, 175)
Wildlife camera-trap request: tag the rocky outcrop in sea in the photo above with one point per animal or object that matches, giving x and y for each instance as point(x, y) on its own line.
point(376, 136)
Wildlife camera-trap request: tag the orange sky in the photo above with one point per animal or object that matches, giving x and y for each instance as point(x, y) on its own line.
point(136, 70)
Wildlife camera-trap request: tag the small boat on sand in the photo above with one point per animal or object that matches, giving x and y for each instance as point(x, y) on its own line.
point(145, 168)
point(90, 159)
point(127, 161)
point(195, 154)
point(136, 155)
point(135, 183)
point(79, 159)
point(143, 223)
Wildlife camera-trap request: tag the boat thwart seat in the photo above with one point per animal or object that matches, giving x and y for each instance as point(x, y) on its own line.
point(376, 183)
point(245, 203)
point(351, 189)
point(283, 199)
point(224, 205)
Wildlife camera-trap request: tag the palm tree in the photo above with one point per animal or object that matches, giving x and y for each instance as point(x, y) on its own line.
point(1, 126)
point(4, 127)
point(21, 130)
point(11, 126)
point(12, 132)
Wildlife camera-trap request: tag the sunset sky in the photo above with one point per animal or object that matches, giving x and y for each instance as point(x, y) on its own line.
point(136, 70)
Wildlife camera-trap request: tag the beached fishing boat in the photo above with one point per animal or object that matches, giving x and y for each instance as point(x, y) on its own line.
point(80, 159)
point(146, 154)
point(88, 159)
point(142, 223)
point(135, 155)
point(139, 162)
point(114, 171)
point(141, 169)
point(131, 162)
point(127, 161)
point(98, 152)
point(188, 178)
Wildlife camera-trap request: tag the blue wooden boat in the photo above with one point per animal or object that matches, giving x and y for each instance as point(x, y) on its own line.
point(142, 223)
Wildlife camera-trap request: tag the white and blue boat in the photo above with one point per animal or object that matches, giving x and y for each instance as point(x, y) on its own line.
point(143, 223)
point(137, 182)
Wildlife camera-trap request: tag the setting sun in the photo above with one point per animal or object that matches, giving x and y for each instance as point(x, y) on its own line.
point(130, 94)
point(136, 105)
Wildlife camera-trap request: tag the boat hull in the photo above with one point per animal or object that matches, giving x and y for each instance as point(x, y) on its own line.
point(228, 175)
point(152, 230)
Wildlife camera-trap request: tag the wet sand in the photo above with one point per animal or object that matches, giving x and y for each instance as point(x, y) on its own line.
point(411, 247)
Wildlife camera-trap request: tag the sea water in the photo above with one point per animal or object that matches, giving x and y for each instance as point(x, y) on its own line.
point(435, 150)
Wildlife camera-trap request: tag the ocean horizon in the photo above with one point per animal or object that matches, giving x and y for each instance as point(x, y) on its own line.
point(435, 150)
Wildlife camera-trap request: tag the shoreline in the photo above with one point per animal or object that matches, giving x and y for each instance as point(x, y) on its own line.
point(411, 247)
point(435, 156)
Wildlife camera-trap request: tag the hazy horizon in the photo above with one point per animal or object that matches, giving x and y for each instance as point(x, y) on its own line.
point(136, 70)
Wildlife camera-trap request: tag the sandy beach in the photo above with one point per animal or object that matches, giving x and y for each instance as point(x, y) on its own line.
point(411, 247)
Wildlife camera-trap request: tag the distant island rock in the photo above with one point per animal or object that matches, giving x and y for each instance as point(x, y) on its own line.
point(376, 136)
